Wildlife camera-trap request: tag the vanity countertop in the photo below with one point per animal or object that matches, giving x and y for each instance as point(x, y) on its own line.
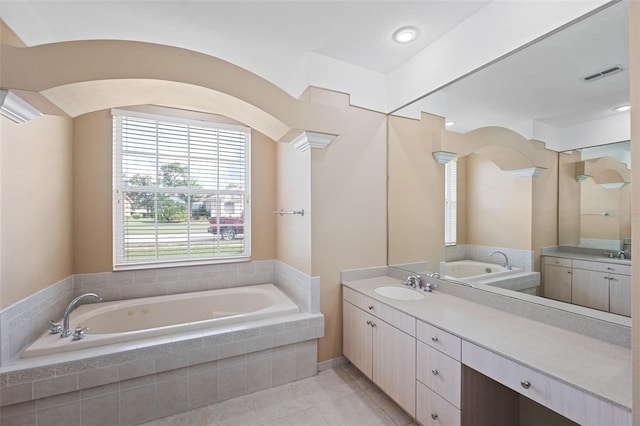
point(599, 368)
point(589, 257)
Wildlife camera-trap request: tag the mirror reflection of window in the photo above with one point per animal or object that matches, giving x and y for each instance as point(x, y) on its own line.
point(450, 202)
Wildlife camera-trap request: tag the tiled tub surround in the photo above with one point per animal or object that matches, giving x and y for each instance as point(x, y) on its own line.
point(519, 258)
point(152, 378)
point(23, 322)
point(149, 380)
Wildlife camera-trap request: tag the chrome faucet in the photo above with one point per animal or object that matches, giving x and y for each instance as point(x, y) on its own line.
point(65, 321)
point(506, 263)
point(413, 281)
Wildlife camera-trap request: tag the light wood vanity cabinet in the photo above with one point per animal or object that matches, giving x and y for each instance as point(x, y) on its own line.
point(599, 285)
point(380, 342)
point(438, 374)
point(557, 279)
point(574, 404)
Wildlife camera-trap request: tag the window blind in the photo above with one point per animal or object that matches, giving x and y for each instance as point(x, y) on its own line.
point(450, 202)
point(181, 190)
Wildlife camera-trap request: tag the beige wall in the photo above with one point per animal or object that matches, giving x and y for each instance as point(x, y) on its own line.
point(569, 195)
point(416, 192)
point(348, 207)
point(499, 206)
point(594, 202)
point(294, 193)
point(36, 197)
point(544, 229)
point(634, 81)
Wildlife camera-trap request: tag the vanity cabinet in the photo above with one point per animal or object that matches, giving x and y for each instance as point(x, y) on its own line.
point(438, 376)
point(600, 285)
point(574, 404)
point(557, 279)
point(380, 341)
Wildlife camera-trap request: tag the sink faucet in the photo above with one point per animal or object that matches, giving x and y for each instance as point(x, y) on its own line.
point(506, 263)
point(622, 255)
point(65, 322)
point(413, 281)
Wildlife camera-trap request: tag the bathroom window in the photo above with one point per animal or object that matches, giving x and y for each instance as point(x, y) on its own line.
point(450, 202)
point(181, 191)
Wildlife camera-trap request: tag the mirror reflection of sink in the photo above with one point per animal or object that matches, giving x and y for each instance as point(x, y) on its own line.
point(399, 293)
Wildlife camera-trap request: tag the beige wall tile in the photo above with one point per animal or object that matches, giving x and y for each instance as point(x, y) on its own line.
point(47, 387)
point(232, 381)
point(15, 394)
point(97, 377)
point(172, 397)
point(203, 389)
point(258, 375)
point(100, 411)
point(68, 415)
point(137, 405)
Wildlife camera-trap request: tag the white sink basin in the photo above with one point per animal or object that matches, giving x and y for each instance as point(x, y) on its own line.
point(399, 293)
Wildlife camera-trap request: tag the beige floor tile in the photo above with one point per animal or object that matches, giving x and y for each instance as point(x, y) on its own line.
point(358, 376)
point(237, 411)
point(280, 401)
point(309, 417)
point(391, 408)
point(355, 410)
point(329, 384)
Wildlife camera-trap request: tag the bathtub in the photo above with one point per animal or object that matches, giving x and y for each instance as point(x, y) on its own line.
point(471, 270)
point(135, 319)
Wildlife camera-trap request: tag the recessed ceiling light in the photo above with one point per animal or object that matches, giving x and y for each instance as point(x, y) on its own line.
point(405, 34)
point(449, 123)
point(622, 108)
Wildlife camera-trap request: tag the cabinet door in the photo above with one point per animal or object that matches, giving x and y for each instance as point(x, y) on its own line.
point(590, 289)
point(357, 337)
point(557, 283)
point(394, 364)
point(620, 294)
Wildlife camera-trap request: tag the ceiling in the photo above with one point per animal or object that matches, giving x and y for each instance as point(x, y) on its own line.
point(278, 39)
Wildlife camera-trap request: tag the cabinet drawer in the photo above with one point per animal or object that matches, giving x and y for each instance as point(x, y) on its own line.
point(398, 319)
point(439, 339)
point(613, 268)
point(557, 261)
point(572, 403)
point(433, 410)
point(439, 372)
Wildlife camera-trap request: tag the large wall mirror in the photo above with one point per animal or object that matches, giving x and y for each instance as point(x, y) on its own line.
point(528, 154)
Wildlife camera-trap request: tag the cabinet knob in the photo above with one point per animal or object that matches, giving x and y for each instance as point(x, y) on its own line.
point(557, 262)
point(525, 384)
point(368, 322)
point(434, 339)
point(434, 416)
point(434, 372)
point(568, 272)
point(371, 307)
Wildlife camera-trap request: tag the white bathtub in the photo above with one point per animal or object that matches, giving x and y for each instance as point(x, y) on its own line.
point(471, 270)
point(134, 319)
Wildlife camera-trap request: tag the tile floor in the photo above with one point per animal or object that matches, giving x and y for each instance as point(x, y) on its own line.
point(337, 396)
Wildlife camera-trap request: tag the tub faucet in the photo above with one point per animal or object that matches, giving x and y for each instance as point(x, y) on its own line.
point(65, 321)
point(506, 263)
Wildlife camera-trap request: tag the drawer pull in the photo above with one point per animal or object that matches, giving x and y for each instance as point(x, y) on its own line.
point(525, 384)
point(434, 372)
point(434, 416)
point(371, 307)
point(434, 339)
point(557, 262)
point(373, 324)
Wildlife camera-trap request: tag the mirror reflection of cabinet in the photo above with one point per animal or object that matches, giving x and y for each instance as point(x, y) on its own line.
point(605, 286)
point(557, 279)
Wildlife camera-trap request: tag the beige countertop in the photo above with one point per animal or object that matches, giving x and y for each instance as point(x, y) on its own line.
point(590, 257)
point(599, 368)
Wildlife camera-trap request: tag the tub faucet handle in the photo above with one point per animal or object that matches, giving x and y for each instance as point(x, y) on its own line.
point(55, 327)
point(79, 333)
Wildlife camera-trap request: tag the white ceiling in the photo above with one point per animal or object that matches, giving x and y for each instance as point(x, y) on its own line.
point(279, 39)
point(267, 37)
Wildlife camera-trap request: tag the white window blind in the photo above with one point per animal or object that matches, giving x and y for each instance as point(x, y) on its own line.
point(450, 202)
point(181, 190)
